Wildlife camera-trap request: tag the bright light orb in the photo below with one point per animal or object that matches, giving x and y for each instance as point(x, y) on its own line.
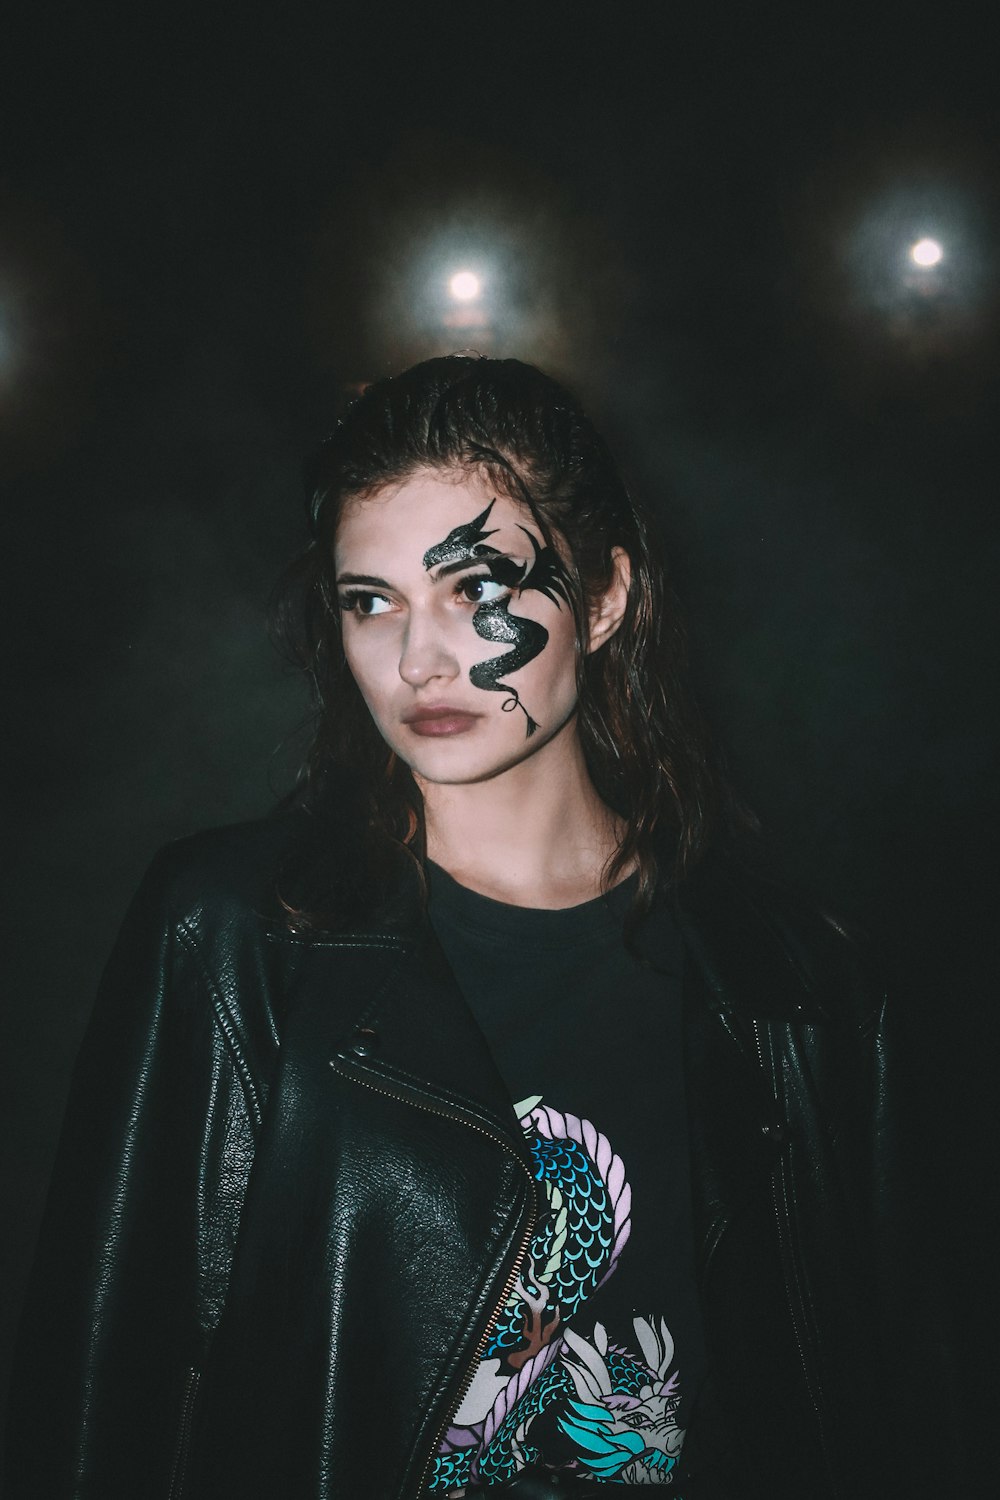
point(926, 253)
point(464, 286)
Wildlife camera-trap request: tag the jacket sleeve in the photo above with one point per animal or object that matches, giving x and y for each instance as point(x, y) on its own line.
point(869, 1126)
point(916, 1322)
point(135, 1244)
point(846, 1187)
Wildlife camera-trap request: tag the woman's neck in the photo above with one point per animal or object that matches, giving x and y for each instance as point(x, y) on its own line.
point(536, 835)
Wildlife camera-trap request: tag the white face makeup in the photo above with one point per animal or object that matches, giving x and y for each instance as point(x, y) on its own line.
point(457, 626)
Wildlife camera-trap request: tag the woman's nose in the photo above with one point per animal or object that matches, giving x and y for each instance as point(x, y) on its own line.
point(426, 654)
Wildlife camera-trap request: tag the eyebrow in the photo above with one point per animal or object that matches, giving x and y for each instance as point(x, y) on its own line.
point(484, 559)
point(368, 580)
point(445, 570)
point(364, 578)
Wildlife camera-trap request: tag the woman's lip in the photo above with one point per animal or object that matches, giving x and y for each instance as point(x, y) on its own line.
point(439, 721)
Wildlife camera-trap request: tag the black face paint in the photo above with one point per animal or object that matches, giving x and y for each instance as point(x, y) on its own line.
point(463, 543)
point(492, 621)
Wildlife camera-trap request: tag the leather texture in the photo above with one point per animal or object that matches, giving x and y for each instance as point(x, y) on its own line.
point(291, 1191)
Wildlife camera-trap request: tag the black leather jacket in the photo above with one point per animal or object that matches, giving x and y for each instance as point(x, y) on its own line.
point(291, 1193)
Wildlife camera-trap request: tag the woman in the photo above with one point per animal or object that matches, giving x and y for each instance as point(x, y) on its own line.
point(471, 1122)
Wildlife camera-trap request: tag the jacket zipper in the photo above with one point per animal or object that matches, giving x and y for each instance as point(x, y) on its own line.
point(481, 1347)
point(525, 1240)
point(178, 1472)
point(793, 1297)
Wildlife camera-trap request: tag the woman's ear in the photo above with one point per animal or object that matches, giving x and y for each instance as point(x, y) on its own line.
point(609, 611)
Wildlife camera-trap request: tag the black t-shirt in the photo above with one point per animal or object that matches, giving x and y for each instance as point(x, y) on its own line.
point(598, 1357)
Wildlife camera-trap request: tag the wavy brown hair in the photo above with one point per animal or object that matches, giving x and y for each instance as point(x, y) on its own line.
point(645, 742)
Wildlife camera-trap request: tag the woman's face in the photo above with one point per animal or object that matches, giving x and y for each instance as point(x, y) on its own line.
point(457, 625)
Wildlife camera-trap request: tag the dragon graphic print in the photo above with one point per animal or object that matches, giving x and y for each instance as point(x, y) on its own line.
point(548, 1392)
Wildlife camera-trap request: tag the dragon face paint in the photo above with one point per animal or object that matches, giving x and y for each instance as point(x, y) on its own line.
point(457, 626)
point(492, 619)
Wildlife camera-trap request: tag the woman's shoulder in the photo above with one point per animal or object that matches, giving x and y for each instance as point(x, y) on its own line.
point(299, 870)
point(220, 873)
point(764, 944)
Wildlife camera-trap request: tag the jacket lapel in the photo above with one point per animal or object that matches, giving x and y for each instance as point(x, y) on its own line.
point(426, 1030)
point(384, 997)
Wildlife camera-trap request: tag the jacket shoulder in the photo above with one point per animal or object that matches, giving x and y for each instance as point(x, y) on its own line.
point(222, 873)
point(766, 948)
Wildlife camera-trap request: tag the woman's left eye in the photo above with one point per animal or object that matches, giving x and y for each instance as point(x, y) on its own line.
point(483, 590)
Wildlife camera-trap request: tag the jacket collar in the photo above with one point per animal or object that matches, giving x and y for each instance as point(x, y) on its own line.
point(406, 1018)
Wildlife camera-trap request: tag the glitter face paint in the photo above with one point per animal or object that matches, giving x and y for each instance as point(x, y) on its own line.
point(492, 620)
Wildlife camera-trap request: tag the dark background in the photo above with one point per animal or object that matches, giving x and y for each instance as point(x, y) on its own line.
point(214, 224)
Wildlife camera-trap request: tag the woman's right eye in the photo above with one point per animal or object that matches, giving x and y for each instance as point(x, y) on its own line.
point(362, 603)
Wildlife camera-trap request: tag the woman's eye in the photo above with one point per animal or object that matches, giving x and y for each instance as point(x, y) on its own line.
point(365, 604)
point(483, 590)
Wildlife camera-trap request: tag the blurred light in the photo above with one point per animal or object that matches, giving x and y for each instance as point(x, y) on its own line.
point(464, 286)
point(926, 253)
